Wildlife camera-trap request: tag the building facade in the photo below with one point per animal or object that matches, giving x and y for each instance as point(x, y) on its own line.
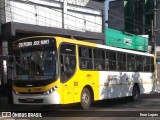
point(116, 15)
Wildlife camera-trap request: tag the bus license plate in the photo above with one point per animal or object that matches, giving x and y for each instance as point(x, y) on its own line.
point(29, 99)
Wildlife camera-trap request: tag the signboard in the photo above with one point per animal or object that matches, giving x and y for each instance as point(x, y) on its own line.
point(128, 41)
point(121, 39)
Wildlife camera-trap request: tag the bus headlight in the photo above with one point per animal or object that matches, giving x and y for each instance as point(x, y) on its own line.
point(16, 93)
point(50, 90)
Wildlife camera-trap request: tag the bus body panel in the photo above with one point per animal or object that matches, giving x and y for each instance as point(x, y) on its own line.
point(120, 84)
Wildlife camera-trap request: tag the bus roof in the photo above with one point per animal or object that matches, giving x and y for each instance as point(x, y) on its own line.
point(106, 47)
point(85, 43)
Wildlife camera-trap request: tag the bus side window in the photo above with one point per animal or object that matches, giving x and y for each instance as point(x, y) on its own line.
point(139, 63)
point(85, 58)
point(146, 64)
point(67, 61)
point(106, 61)
point(130, 62)
point(99, 59)
point(152, 64)
point(62, 64)
point(112, 60)
point(121, 61)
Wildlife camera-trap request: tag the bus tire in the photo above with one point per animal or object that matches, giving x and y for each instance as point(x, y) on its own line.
point(85, 99)
point(135, 93)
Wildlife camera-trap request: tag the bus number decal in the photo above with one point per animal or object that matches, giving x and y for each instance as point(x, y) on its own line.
point(37, 89)
point(76, 83)
point(89, 76)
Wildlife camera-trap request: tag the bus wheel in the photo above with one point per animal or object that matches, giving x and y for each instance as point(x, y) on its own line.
point(135, 93)
point(85, 99)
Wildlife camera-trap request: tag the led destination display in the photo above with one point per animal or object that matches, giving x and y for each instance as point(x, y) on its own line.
point(33, 43)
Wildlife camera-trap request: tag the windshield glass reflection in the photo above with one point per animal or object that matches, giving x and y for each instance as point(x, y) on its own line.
point(36, 65)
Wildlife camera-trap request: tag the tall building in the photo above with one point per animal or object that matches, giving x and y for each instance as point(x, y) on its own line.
point(134, 15)
point(79, 19)
point(116, 15)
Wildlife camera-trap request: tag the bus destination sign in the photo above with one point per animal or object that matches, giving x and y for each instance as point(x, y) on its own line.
point(33, 43)
point(36, 43)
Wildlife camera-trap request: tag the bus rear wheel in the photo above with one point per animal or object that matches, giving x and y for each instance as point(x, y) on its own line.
point(85, 98)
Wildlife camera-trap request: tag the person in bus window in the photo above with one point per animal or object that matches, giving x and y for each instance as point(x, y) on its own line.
point(83, 64)
point(69, 64)
point(99, 66)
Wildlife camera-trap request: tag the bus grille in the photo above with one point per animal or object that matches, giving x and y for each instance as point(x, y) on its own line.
point(34, 101)
point(30, 92)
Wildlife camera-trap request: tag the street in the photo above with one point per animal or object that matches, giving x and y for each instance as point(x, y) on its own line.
point(147, 106)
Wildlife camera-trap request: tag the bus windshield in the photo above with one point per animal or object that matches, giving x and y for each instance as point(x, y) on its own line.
point(36, 65)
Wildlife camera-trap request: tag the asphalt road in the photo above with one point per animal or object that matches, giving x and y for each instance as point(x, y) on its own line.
point(147, 108)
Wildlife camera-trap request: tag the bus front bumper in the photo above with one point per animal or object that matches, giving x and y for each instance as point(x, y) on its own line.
point(36, 99)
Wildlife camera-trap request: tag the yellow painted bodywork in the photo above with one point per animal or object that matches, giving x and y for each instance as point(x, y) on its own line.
point(71, 90)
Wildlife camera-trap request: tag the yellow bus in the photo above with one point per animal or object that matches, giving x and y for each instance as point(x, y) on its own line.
point(49, 70)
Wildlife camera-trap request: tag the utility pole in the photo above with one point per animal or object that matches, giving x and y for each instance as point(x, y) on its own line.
point(154, 38)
